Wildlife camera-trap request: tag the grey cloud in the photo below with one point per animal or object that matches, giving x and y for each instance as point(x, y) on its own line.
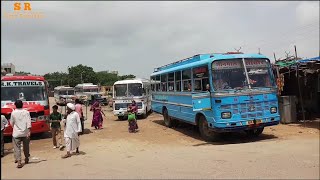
point(135, 37)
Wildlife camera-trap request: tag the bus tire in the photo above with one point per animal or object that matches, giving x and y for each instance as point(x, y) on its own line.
point(121, 118)
point(205, 132)
point(144, 115)
point(168, 121)
point(254, 132)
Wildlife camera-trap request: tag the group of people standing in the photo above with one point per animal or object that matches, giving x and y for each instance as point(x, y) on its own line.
point(73, 122)
point(74, 125)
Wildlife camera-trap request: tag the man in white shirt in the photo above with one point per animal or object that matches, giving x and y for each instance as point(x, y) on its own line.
point(21, 124)
point(72, 130)
point(4, 124)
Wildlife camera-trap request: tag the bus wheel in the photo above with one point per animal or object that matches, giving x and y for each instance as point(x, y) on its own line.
point(254, 132)
point(205, 132)
point(144, 115)
point(121, 117)
point(167, 119)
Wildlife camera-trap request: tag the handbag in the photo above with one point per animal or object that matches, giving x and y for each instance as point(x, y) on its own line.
point(131, 116)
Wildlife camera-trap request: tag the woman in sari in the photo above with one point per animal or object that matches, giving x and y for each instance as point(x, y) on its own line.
point(132, 117)
point(97, 115)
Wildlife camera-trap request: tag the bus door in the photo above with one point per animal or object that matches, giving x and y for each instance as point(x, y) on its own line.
point(201, 101)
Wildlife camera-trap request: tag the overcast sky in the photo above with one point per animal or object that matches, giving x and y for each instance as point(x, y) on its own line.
point(136, 37)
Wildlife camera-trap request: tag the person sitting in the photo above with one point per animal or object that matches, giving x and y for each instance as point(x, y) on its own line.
point(220, 84)
point(208, 87)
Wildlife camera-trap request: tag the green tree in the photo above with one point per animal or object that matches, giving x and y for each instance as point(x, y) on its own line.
point(107, 79)
point(130, 76)
point(81, 74)
point(22, 73)
point(56, 79)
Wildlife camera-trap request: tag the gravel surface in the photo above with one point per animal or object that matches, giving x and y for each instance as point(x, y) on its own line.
point(281, 152)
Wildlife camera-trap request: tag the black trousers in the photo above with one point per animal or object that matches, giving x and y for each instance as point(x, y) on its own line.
point(82, 125)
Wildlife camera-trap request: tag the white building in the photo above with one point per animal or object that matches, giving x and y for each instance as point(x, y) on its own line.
point(8, 68)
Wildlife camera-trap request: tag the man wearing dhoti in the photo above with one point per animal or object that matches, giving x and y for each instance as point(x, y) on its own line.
point(72, 130)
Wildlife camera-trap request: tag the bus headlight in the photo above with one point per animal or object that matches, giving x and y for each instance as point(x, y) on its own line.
point(273, 110)
point(226, 115)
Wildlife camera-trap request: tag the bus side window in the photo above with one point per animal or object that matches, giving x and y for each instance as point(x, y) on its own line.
point(171, 82)
point(178, 81)
point(197, 85)
point(200, 76)
point(205, 84)
point(186, 77)
point(157, 83)
point(164, 82)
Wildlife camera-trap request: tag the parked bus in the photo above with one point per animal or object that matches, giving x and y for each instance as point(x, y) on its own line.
point(33, 91)
point(127, 90)
point(64, 95)
point(218, 93)
point(85, 90)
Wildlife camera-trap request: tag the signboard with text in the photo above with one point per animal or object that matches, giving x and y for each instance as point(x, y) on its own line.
point(21, 83)
point(237, 63)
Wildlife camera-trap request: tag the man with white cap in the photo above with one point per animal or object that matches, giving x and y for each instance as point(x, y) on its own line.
point(72, 130)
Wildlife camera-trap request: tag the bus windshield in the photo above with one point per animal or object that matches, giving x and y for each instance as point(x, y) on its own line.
point(231, 75)
point(91, 90)
point(135, 89)
point(120, 90)
point(28, 93)
point(66, 92)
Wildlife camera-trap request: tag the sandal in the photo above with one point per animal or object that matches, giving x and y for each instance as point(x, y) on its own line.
point(19, 165)
point(66, 156)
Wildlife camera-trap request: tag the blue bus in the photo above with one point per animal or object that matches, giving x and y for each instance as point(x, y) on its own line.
point(219, 92)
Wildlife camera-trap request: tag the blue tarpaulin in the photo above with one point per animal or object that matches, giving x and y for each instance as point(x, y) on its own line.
point(310, 59)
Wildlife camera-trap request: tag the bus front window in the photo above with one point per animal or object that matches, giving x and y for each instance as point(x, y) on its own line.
point(135, 89)
point(120, 90)
point(230, 74)
point(66, 92)
point(30, 93)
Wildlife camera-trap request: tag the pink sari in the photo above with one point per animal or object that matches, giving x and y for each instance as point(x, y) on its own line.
point(97, 116)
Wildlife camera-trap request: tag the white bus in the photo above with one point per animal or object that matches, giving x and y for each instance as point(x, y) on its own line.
point(64, 95)
point(125, 91)
point(85, 90)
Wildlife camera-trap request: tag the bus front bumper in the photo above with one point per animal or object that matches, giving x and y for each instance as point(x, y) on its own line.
point(36, 127)
point(244, 127)
point(125, 113)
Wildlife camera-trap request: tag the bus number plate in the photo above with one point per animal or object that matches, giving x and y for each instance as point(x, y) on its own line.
point(252, 122)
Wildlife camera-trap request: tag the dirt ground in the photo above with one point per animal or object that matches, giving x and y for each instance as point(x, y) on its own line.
point(283, 151)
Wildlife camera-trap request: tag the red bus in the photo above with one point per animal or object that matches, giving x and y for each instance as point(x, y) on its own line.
point(33, 91)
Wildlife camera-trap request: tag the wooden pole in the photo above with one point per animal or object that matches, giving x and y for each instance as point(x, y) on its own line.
point(299, 88)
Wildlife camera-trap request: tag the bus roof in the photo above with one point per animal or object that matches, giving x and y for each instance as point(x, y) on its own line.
point(64, 87)
point(131, 81)
point(201, 59)
point(85, 84)
point(17, 78)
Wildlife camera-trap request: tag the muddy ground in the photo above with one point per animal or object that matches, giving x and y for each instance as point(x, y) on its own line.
point(283, 151)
